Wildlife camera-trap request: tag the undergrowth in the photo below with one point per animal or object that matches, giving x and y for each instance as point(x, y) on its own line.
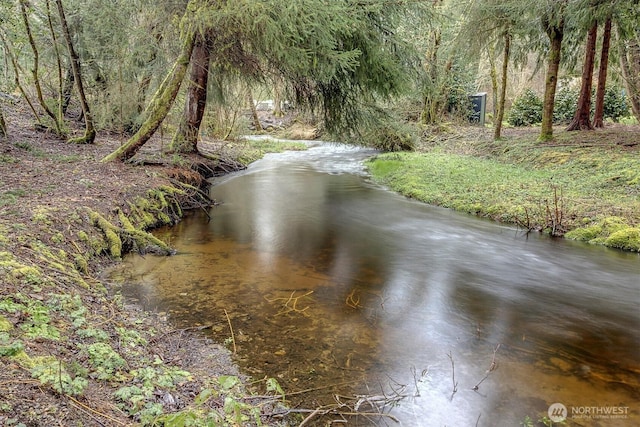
point(76, 341)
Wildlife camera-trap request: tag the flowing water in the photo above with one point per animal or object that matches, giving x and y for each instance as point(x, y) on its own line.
point(335, 284)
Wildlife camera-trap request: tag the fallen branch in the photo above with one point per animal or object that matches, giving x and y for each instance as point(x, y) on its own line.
point(360, 405)
point(416, 380)
point(91, 412)
point(286, 308)
point(233, 337)
point(192, 328)
point(492, 367)
point(453, 375)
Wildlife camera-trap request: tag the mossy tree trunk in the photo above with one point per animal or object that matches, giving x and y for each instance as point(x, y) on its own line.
point(10, 55)
point(582, 118)
point(433, 95)
point(35, 70)
point(493, 73)
point(159, 105)
point(497, 133)
point(90, 132)
point(630, 66)
point(556, 35)
point(186, 138)
point(54, 38)
point(598, 118)
point(3, 125)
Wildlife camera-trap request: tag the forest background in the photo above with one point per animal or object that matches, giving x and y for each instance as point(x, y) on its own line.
point(113, 113)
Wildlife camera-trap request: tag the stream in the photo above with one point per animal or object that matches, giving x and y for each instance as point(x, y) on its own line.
point(334, 284)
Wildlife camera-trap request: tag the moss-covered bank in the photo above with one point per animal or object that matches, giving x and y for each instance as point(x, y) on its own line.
point(584, 185)
point(71, 351)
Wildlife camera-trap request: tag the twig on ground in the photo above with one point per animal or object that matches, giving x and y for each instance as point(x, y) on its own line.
point(453, 375)
point(417, 379)
point(286, 308)
point(492, 367)
point(192, 328)
point(233, 338)
point(90, 411)
point(353, 301)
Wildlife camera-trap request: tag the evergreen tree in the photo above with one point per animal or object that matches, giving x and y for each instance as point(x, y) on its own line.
point(582, 118)
point(331, 55)
point(598, 118)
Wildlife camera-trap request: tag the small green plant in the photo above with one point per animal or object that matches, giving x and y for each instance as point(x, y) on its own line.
point(29, 148)
point(24, 146)
point(527, 422)
point(4, 158)
point(9, 347)
point(138, 399)
point(105, 361)
point(273, 386)
point(35, 315)
point(51, 371)
point(11, 197)
point(236, 409)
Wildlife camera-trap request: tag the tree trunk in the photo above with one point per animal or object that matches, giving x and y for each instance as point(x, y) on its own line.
point(35, 71)
point(3, 125)
point(555, 34)
point(630, 76)
point(503, 90)
point(90, 132)
point(186, 138)
point(278, 89)
point(159, 105)
point(254, 112)
point(16, 72)
point(434, 91)
point(67, 89)
point(598, 119)
point(582, 118)
point(54, 38)
point(493, 72)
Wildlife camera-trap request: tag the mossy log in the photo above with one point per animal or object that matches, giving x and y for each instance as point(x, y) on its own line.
point(143, 241)
point(111, 233)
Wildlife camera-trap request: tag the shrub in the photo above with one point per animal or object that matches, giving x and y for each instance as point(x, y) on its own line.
point(526, 110)
point(394, 137)
point(564, 108)
point(615, 104)
point(383, 130)
point(566, 101)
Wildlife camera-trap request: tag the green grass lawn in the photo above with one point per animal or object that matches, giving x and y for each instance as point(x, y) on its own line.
point(585, 184)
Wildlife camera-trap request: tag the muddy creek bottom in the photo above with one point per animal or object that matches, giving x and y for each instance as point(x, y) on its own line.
point(337, 287)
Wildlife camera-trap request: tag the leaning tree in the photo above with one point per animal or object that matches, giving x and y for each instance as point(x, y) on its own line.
point(330, 55)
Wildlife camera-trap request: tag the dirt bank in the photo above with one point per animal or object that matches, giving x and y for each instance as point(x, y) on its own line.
point(71, 353)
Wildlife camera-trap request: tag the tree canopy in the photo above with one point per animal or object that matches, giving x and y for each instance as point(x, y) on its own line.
point(130, 65)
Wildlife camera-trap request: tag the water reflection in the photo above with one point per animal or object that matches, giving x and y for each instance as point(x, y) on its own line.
point(331, 280)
